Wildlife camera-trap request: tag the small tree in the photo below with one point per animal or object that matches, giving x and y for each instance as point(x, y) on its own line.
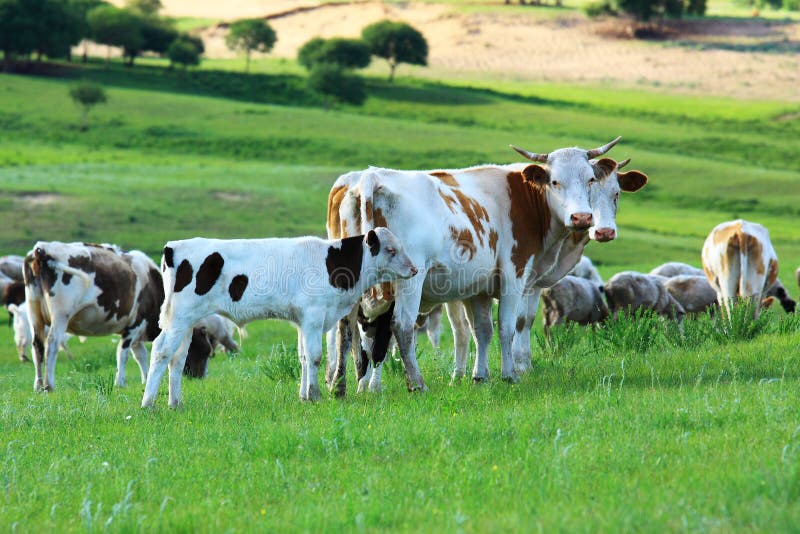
point(157, 34)
point(117, 27)
point(396, 42)
point(183, 52)
point(250, 35)
point(87, 95)
point(336, 84)
point(347, 53)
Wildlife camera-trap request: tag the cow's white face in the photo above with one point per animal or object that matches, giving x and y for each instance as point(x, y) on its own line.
point(391, 260)
point(569, 176)
point(604, 193)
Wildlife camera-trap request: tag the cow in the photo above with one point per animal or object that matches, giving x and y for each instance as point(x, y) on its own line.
point(740, 263)
point(22, 331)
point(573, 299)
point(11, 267)
point(629, 291)
point(308, 281)
point(676, 268)
point(778, 291)
point(693, 292)
point(201, 348)
point(586, 269)
point(90, 290)
point(219, 331)
point(492, 231)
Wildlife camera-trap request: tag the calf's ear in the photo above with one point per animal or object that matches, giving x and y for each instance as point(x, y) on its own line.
point(373, 242)
point(536, 174)
point(631, 181)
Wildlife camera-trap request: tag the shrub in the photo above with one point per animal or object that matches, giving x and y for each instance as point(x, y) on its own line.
point(600, 8)
point(347, 53)
point(332, 81)
point(87, 95)
point(183, 52)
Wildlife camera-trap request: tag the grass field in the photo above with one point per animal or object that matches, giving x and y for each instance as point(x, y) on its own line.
point(631, 429)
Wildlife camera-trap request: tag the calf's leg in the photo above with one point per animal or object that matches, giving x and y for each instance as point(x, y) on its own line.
point(165, 346)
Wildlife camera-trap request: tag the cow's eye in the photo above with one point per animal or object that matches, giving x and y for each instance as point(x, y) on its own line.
point(554, 183)
point(592, 180)
point(391, 252)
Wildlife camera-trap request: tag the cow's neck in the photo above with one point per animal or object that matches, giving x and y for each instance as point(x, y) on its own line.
point(531, 219)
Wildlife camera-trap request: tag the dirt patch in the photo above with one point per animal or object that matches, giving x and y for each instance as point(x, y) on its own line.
point(35, 198)
point(230, 197)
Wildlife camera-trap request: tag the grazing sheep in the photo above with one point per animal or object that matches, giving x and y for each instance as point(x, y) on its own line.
point(629, 291)
point(572, 299)
point(586, 269)
point(693, 292)
point(676, 268)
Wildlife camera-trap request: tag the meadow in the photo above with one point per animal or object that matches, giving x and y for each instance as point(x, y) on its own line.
point(631, 428)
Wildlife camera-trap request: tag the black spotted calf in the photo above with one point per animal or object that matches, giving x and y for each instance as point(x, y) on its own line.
point(309, 281)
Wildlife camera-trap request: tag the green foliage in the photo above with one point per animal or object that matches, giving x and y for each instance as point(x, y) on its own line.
point(599, 8)
point(791, 5)
point(87, 95)
point(282, 364)
point(645, 10)
point(346, 53)
point(184, 52)
point(396, 42)
point(250, 35)
point(113, 26)
point(145, 8)
point(337, 84)
point(46, 27)
point(157, 35)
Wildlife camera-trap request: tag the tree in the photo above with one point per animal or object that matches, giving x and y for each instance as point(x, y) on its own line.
point(184, 52)
point(644, 10)
point(250, 35)
point(87, 95)
point(335, 83)
point(145, 8)
point(117, 27)
point(396, 42)
point(157, 34)
point(347, 53)
point(82, 8)
point(61, 27)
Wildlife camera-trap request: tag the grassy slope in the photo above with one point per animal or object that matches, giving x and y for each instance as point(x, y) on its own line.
point(696, 436)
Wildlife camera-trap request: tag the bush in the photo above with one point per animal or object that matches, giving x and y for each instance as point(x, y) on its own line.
point(332, 81)
point(396, 42)
point(117, 27)
point(600, 8)
point(347, 53)
point(183, 52)
point(87, 95)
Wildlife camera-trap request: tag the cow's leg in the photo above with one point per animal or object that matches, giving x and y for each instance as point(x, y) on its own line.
point(434, 326)
point(521, 346)
point(66, 350)
point(140, 355)
point(481, 321)
point(123, 348)
point(55, 337)
point(406, 309)
point(364, 354)
point(301, 355)
point(37, 326)
point(176, 365)
point(380, 347)
point(164, 348)
point(340, 342)
point(312, 345)
point(457, 314)
point(506, 319)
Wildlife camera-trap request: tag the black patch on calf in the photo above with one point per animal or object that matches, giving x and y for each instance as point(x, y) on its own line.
point(208, 273)
point(344, 263)
point(237, 287)
point(169, 254)
point(65, 278)
point(373, 242)
point(126, 343)
point(383, 335)
point(14, 293)
point(200, 350)
point(183, 275)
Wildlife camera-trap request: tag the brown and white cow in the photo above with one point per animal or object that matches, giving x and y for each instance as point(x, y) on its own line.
point(740, 262)
point(492, 231)
point(90, 290)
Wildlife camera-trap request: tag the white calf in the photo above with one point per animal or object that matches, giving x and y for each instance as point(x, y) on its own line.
point(309, 281)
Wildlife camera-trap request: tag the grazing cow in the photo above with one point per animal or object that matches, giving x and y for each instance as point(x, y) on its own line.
point(11, 266)
point(22, 331)
point(476, 233)
point(630, 291)
point(309, 281)
point(779, 292)
point(693, 292)
point(586, 269)
point(573, 299)
point(201, 348)
point(676, 268)
point(14, 293)
point(90, 290)
point(740, 263)
point(219, 330)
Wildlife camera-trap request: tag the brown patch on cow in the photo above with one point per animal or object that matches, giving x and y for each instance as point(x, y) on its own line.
point(530, 219)
point(446, 178)
point(368, 210)
point(237, 287)
point(772, 273)
point(449, 201)
point(520, 324)
point(208, 273)
point(578, 237)
point(183, 276)
point(380, 220)
point(493, 237)
point(728, 235)
point(464, 241)
point(112, 275)
point(755, 252)
point(344, 263)
point(382, 292)
point(42, 270)
point(474, 212)
point(335, 227)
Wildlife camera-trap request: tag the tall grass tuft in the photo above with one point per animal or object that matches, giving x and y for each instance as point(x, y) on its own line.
point(641, 331)
point(281, 364)
point(741, 326)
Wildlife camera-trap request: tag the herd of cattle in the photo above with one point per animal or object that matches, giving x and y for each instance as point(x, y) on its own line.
point(402, 245)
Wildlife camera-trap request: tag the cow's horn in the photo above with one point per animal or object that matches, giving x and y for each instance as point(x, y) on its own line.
point(623, 163)
point(593, 153)
point(541, 158)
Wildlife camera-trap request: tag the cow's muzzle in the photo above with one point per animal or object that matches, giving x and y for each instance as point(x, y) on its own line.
point(580, 221)
point(603, 235)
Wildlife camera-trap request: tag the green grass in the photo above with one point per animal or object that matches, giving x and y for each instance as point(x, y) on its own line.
point(632, 428)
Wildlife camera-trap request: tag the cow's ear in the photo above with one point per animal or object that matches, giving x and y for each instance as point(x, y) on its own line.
point(603, 168)
point(373, 242)
point(536, 174)
point(767, 302)
point(631, 181)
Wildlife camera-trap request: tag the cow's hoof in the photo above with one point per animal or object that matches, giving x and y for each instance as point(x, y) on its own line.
point(480, 379)
point(24, 359)
point(456, 379)
point(513, 379)
point(521, 368)
point(418, 388)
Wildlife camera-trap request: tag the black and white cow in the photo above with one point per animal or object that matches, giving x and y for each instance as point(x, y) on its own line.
point(309, 281)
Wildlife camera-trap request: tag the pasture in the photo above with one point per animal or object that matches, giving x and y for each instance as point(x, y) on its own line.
point(628, 429)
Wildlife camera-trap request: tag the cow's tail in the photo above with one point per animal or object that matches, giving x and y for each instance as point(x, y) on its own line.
point(39, 257)
point(368, 186)
point(168, 280)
